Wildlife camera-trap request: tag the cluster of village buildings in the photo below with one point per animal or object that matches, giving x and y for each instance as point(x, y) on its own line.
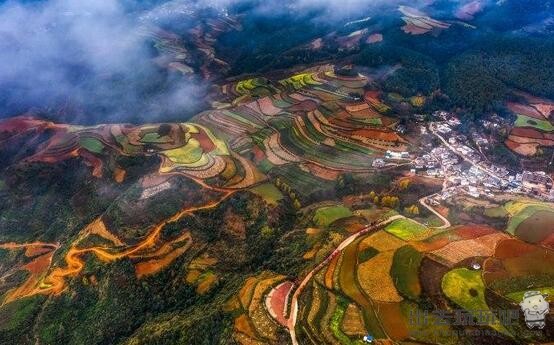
point(464, 168)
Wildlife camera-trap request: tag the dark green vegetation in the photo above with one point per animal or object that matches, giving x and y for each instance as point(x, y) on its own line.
point(405, 272)
point(413, 72)
point(481, 78)
point(285, 221)
point(477, 74)
point(108, 304)
point(17, 320)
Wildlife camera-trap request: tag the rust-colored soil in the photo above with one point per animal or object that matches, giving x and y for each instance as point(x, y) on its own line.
point(330, 272)
point(152, 266)
point(393, 320)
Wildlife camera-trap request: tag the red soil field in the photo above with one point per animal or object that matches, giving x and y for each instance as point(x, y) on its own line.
point(205, 142)
point(266, 106)
point(258, 154)
point(393, 320)
point(330, 272)
point(510, 248)
point(32, 251)
point(377, 134)
point(527, 132)
point(326, 174)
point(467, 11)
point(525, 110)
point(531, 133)
point(153, 180)
point(545, 109)
point(119, 175)
point(431, 245)
point(25, 122)
point(371, 96)
point(537, 227)
point(36, 268)
point(374, 38)
point(549, 241)
point(413, 29)
point(531, 141)
point(93, 161)
point(473, 231)
point(277, 301)
point(512, 145)
point(465, 232)
point(308, 105)
point(515, 260)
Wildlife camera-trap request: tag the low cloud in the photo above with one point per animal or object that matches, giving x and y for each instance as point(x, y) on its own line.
point(93, 54)
point(89, 53)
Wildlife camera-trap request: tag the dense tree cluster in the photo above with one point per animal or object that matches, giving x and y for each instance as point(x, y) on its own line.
point(481, 78)
point(413, 72)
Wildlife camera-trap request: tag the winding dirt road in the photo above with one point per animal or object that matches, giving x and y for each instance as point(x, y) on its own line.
point(294, 301)
point(56, 280)
point(446, 223)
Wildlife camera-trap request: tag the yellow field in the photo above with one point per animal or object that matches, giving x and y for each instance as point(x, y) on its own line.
point(375, 280)
point(352, 323)
point(382, 241)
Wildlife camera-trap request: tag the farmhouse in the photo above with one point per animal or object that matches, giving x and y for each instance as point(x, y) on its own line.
point(453, 121)
point(473, 191)
point(397, 155)
point(444, 129)
point(537, 181)
point(378, 163)
point(400, 129)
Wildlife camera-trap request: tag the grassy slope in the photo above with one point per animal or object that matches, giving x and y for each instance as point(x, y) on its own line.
point(326, 215)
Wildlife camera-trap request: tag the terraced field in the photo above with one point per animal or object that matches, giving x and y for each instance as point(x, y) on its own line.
point(310, 120)
point(254, 323)
point(533, 126)
point(288, 141)
point(379, 279)
point(528, 220)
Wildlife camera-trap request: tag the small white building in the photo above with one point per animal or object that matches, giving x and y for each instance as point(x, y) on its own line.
point(397, 155)
point(378, 163)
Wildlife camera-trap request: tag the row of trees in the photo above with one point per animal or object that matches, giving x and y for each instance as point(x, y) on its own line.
point(285, 188)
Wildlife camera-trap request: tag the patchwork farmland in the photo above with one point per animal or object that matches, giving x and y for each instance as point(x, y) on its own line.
point(533, 126)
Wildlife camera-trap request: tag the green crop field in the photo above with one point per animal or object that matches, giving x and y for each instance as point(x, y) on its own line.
point(154, 137)
point(405, 272)
point(351, 288)
point(91, 144)
point(518, 295)
point(268, 192)
point(466, 288)
point(406, 229)
point(302, 182)
point(526, 121)
point(336, 320)
point(496, 212)
point(190, 153)
point(331, 156)
point(326, 215)
point(523, 214)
